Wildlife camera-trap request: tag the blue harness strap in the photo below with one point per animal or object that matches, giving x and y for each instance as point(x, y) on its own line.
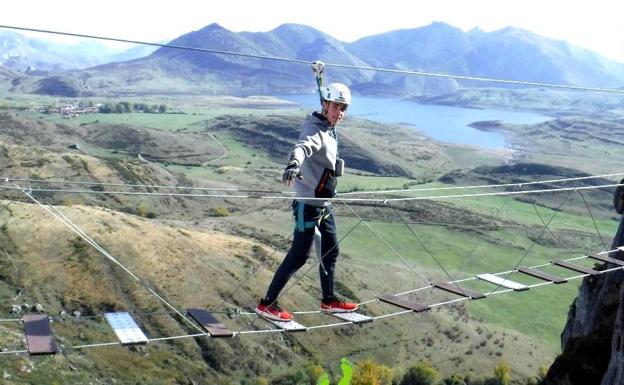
point(301, 224)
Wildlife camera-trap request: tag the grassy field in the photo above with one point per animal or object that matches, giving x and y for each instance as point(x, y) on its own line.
point(352, 182)
point(186, 121)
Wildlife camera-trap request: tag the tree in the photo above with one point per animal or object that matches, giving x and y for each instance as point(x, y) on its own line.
point(502, 372)
point(162, 108)
point(107, 108)
point(368, 372)
point(314, 371)
point(127, 106)
point(420, 374)
point(502, 375)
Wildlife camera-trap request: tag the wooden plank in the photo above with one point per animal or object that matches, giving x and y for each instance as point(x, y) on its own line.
point(608, 259)
point(215, 328)
point(356, 318)
point(39, 334)
point(127, 331)
point(405, 304)
point(573, 267)
point(502, 282)
point(542, 275)
point(456, 289)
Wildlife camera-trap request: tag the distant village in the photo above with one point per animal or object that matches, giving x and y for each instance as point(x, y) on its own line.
point(74, 109)
point(68, 110)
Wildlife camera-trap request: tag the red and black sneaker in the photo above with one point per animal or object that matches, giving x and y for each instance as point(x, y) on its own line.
point(272, 311)
point(337, 305)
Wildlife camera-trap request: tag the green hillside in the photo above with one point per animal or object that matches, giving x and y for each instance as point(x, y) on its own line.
point(221, 252)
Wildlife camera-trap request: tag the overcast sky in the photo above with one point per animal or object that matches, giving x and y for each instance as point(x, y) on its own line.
point(595, 24)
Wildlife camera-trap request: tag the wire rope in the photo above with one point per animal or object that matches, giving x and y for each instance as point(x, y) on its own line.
point(62, 218)
point(380, 192)
point(306, 62)
point(275, 197)
point(338, 324)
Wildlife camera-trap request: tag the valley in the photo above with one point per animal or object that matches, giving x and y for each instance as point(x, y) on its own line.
point(221, 252)
point(148, 181)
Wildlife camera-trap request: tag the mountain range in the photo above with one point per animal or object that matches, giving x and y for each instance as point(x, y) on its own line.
point(508, 53)
point(21, 53)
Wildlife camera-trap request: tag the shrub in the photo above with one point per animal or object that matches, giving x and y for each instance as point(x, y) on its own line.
point(420, 374)
point(142, 209)
point(220, 212)
point(502, 375)
point(314, 372)
point(295, 378)
point(455, 379)
point(72, 201)
point(368, 372)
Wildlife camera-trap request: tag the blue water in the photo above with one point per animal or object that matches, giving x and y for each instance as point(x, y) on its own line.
point(441, 123)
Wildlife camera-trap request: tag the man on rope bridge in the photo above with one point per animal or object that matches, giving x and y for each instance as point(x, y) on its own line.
point(313, 167)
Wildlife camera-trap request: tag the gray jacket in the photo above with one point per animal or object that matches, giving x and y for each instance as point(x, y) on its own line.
point(316, 153)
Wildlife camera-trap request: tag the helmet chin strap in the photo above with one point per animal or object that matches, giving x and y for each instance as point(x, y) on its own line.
point(325, 112)
point(324, 109)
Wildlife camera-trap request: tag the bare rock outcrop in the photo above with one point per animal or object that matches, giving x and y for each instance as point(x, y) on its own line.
point(593, 339)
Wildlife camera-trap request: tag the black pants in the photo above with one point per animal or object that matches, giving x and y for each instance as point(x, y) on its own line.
point(306, 219)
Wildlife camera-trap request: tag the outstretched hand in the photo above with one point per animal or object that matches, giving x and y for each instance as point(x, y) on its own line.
point(290, 173)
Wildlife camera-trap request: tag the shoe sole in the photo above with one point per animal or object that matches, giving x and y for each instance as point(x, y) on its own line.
point(271, 317)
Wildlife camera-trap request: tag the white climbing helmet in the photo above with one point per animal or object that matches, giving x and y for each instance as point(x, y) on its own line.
point(336, 92)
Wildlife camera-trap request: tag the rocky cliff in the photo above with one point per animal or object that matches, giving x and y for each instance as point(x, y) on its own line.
point(593, 339)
